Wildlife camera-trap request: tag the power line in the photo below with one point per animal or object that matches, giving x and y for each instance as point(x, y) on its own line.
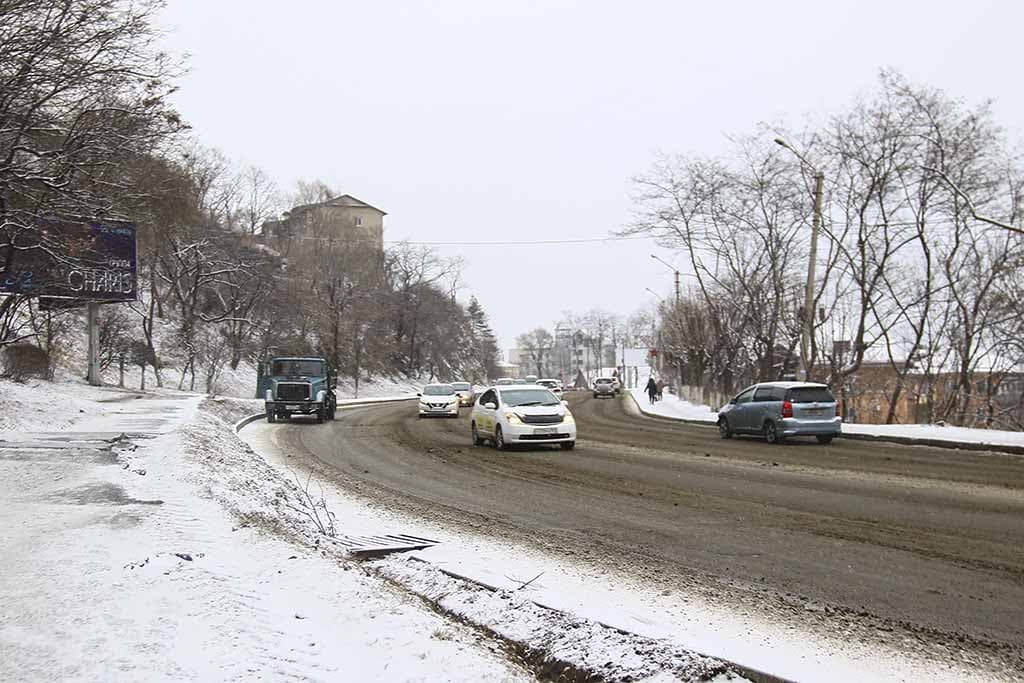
point(513, 243)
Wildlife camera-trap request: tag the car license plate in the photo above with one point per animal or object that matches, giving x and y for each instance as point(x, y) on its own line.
point(291, 407)
point(545, 431)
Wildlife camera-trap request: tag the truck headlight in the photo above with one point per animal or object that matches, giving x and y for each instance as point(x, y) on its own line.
point(320, 396)
point(269, 396)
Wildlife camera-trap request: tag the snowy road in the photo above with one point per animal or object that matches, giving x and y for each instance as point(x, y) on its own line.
point(915, 546)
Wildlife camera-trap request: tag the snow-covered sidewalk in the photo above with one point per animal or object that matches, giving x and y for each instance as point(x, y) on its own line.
point(674, 407)
point(121, 562)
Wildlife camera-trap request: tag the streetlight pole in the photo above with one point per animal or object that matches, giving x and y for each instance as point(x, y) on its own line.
point(674, 270)
point(808, 327)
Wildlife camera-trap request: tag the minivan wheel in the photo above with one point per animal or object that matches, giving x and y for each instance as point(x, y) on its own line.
point(771, 433)
point(724, 430)
point(825, 438)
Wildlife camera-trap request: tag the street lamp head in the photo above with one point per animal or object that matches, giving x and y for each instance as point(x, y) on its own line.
point(783, 143)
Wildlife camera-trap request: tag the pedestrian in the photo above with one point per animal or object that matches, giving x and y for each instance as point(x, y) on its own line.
point(661, 388)
point(652, 390)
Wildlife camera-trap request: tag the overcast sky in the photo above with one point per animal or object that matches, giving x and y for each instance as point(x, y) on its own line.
point(472, 120)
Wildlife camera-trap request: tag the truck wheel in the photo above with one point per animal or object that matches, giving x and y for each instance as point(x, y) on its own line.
point(320, 415)
point(825, 438)
point(568, 445)
point(271, 418)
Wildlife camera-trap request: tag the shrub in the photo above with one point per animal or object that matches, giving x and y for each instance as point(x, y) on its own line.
point(22, 361)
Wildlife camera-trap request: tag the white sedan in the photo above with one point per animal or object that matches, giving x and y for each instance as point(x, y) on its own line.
point(522, 414)
point(553, 385)
point(439, 400)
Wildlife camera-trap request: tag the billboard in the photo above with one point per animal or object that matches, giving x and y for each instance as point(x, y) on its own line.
point(64, 259)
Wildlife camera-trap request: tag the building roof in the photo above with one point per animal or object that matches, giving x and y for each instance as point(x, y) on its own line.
point(345, 200)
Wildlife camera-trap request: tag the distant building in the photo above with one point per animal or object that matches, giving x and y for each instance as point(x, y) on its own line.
point(344, 219)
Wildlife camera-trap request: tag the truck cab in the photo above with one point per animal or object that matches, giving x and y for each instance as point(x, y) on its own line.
point(291, 385)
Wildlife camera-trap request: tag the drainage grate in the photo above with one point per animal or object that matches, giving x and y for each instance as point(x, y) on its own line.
point(383, 545)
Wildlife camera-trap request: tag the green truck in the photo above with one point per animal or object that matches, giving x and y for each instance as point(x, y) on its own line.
point(297, 386)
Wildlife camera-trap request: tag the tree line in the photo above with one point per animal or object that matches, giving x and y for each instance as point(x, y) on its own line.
point(88, 132)
point(920, 264)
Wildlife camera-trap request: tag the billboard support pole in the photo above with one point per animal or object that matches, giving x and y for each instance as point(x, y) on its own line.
point(93, 329)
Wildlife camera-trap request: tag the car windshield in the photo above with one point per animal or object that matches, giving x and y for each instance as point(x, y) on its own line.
point(528, 397)
point(438, 390)
point(297, 368)
point(460, 386)
point(810, 395)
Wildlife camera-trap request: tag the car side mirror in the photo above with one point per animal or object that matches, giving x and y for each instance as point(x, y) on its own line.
point(565, 403)
point(419, 394)
point(490, 406)
point(732, 402)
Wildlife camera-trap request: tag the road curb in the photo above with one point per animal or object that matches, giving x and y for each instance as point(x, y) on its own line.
point(249, 419)
point(879, 438)
point(754, 675)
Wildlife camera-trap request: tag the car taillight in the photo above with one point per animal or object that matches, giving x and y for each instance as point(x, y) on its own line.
point(787, 409)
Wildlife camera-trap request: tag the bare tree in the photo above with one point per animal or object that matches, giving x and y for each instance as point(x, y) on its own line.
point(537, 344)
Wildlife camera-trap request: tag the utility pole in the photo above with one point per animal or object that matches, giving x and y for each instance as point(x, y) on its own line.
point(808, 333)
point(808, 326)
point(93, 329)
point(677, 288)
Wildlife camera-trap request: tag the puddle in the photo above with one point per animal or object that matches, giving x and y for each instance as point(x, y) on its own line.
point(101, 494)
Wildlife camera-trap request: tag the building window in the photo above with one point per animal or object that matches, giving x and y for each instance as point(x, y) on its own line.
point(359, 220)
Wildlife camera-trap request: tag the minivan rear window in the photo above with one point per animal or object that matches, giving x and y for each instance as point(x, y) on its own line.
point(810, 395)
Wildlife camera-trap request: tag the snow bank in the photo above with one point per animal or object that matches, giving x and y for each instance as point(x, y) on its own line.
point(121, 563)
point(673, 407)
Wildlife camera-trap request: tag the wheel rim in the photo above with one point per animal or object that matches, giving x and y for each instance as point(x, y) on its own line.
point(723, 427)
point(769, 432)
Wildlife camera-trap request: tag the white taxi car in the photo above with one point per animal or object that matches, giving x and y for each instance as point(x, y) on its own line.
point(439, 400)
point(522, 414)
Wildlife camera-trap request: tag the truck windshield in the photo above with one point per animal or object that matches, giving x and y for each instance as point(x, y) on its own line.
point(297, 368)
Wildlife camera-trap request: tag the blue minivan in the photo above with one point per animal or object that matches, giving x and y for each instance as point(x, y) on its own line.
point(778, 410)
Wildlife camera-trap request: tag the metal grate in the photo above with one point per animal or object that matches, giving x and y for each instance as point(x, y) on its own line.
point(383, 544)
point(292, 391)
point(541, 419)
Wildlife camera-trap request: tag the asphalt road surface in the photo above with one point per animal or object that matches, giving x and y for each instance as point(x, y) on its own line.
point(907, 544)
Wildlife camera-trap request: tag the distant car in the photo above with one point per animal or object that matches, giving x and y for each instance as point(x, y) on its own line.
point(606, 387)
point(530, 379)
point(504, 382)
point(779, 410)
point(520, 381)
point(553, 385)
point(528, 414)
point(465, 391)
point(438, 400)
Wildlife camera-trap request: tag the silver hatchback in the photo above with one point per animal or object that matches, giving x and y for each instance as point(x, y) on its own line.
point(779, 410)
